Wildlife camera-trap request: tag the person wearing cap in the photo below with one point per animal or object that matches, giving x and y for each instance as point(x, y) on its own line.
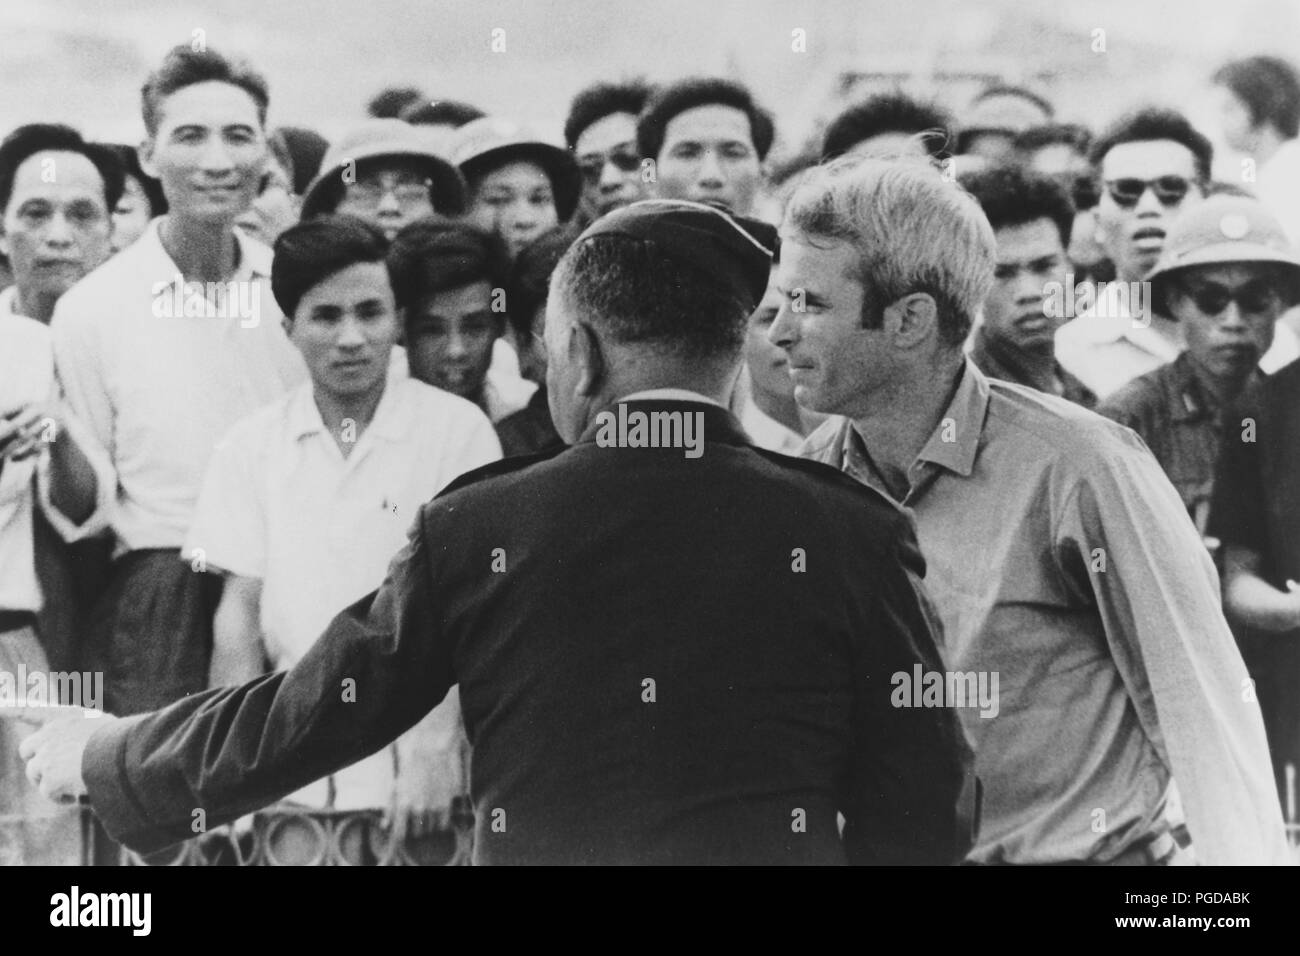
point(1058, 555)
point(709, 141)
point(388, 173)
point(601, 132)
point(519, 185)
point(1226, 274)
point(683, 674)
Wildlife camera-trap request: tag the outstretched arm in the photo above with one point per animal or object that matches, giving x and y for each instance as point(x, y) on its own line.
point(378, 668)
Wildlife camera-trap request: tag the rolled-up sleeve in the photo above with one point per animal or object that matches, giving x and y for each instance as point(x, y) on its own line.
point(379, 667)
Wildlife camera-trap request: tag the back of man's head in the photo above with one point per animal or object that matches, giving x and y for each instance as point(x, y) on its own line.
point(184, 66)
point(1269, 88)
point(634, 294)
point(913, 231)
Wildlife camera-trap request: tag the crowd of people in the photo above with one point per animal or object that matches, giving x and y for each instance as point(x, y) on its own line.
point(237, 361)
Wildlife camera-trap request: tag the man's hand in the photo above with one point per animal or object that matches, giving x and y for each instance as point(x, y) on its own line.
point(54, 752)
point(27, 429)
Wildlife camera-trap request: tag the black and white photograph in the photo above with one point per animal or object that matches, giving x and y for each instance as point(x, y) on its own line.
point(651, 433)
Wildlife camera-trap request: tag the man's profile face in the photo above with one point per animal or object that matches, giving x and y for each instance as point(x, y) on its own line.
point(345, 326)
point(56, 226)
point(1227, 336)
point(209, 151)
point(1029, 257)
point(449, 339)
point(708, 153)
point(1133, 233)
point(834, 363)
point(611, 168)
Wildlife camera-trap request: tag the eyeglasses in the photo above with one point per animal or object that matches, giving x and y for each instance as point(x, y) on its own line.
point(1252, 298)
point(371, 192)
point(1170, 190)
point(593, 167)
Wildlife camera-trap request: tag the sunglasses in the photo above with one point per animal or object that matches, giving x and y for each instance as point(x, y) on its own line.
point(1170, 190)
point(593, 166)
point(1252, 298)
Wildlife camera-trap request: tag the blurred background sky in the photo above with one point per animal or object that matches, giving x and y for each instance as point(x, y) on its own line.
point(82, 61)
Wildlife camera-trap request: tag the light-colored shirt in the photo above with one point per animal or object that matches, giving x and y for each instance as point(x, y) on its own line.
point(767, 432)
point(1060, 558)
point(27, 376)
point(1105, 348)
point(281, 504)
point(158, 391)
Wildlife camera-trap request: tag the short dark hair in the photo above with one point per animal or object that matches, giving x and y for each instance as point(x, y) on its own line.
point(530, 276)
point(308, 253)
point(307, 149)
point(598, 101)
point(129, 158)
point(633, 293)
point(27, 141)
point(440, 113)
point(1008, 89)
point(389, 102)
point(1270, 88)
point(685, 95)
point(184, 66)
point(888, 113)
point(1153, 123)
point(435, 255)
point(1077, 137)
point(1012, 196)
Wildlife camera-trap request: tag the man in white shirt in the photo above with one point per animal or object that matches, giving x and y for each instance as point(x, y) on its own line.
point(306, 500)
point(159, 352)
point(1152, 164)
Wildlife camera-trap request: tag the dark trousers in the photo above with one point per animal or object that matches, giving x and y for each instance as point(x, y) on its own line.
point(150, 632)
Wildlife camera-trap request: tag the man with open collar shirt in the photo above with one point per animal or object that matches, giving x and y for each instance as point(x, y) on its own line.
point(1060, 559)
point(702, 665)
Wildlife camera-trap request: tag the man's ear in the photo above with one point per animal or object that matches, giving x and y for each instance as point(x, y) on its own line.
point(144, 152)
point(286, 323)
point(588, 357)
point(912, 320)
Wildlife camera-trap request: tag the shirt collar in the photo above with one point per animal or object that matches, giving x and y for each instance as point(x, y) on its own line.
point(254, 257)
point(668, 395)
point(954, 443)
point(392, 414)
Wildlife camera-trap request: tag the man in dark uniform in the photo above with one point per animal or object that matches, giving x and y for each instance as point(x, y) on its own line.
point(671, 647)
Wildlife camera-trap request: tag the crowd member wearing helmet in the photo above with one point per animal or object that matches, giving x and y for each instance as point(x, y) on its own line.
point(388, 173)
point(1227, 272)
point(519, 185)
